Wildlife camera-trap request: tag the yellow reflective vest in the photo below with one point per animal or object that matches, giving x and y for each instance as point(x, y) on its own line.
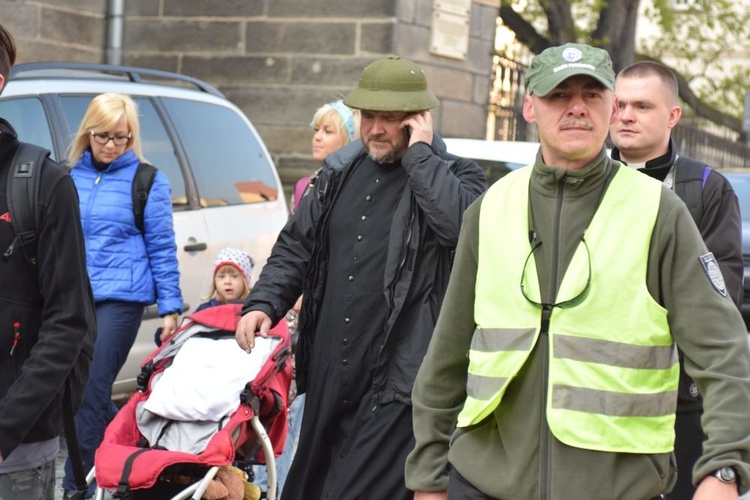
point(613, 366)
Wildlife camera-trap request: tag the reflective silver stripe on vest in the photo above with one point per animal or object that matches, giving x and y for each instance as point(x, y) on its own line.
point(611, 403)
point(607, 352)
point(502, 339)
point(483, 388)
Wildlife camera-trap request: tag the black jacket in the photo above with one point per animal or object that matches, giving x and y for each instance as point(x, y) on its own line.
point(421, 245)
point(721, 230)
point(42, 324)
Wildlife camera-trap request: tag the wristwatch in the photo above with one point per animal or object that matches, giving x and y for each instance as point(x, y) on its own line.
point(725, 475)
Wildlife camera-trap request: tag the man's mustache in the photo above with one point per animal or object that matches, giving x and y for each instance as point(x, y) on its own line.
point(576, 123)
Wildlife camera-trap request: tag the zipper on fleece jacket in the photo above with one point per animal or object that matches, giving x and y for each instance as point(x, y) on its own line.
point(546, 315)
point(544, 431)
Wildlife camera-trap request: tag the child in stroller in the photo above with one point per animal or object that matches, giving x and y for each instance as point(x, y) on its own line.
point(231, 281)
point(202, 403)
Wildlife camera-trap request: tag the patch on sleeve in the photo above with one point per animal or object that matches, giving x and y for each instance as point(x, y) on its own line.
point(714, 273)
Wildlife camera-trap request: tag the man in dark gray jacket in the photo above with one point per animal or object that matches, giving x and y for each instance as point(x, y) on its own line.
point(370, 248)
point(649, 109)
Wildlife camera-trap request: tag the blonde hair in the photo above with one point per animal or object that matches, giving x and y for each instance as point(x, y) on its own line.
point(102, 114)
point(214, 293)
point(329, 114)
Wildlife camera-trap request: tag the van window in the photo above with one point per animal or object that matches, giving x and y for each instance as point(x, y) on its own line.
point(228, 162)
point(155, 143)
point(28, 118)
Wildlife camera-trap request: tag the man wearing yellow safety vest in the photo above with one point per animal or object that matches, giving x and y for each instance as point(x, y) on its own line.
point(553, 371)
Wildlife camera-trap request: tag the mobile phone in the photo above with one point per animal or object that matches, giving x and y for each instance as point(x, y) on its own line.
point(407, 133)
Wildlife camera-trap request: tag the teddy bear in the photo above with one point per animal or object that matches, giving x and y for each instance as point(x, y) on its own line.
point(230, 483)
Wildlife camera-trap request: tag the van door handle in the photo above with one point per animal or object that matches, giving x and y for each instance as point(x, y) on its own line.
point(195, 247)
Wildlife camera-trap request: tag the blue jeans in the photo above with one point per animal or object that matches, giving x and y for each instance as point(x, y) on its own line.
point(117, 324)
point(290, 447)
point(30, 484)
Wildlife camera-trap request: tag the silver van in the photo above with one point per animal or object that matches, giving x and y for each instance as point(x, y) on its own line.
point(225, 188)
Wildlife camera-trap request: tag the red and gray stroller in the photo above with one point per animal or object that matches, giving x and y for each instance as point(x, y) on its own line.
point(203, 403)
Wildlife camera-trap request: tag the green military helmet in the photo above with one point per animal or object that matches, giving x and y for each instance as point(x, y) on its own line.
point(392, 84)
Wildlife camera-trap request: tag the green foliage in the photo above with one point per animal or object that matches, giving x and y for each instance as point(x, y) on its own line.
point(661, 12)
point(727, 92)
point(705, 45)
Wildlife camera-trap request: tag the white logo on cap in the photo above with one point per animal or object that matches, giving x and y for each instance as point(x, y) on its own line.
point(572, 54)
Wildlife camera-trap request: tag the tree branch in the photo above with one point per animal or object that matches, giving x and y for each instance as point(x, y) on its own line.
point(615, 30)
point(560, 21)
point(525, 32)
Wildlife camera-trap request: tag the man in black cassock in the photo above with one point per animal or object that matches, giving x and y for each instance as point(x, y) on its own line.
point(370, 248)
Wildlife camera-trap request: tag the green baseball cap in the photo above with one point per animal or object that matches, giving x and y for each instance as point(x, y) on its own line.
point(556, 64)
point(392, 84)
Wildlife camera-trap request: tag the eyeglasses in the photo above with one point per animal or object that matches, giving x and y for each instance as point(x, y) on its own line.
point(103, 139)
point(563, 303)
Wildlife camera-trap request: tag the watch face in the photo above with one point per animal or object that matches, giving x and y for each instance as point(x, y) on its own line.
point(726, 474)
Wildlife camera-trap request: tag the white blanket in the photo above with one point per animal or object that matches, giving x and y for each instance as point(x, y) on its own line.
point(205, 378)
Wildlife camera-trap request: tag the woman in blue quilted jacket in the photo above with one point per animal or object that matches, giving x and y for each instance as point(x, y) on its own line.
point(128, 268)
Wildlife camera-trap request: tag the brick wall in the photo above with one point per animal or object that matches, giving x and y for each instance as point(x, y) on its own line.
point(278, 60)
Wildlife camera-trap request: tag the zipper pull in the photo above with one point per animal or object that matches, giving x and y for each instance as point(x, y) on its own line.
point(10, 249)
point(98, 178)
point(16, 336)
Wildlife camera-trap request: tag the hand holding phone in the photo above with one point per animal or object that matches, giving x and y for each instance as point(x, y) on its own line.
point(418, 127)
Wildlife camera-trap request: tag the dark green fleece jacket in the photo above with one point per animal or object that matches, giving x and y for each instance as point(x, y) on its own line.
point(512, 454)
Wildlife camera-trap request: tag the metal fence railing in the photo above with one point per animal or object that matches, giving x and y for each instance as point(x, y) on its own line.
point(714, 150)
point(506, 102)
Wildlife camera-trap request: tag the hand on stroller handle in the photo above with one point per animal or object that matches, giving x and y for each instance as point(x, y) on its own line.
point(250, 323)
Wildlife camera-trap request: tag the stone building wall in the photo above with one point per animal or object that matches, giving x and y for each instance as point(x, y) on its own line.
point(278, 60)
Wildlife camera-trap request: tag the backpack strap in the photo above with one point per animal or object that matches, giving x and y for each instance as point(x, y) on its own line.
point(22, 191)
point(689, 179)
point(74, 451)
point(142, 182)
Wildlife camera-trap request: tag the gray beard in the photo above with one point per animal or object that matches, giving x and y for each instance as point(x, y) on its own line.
point(389, 157)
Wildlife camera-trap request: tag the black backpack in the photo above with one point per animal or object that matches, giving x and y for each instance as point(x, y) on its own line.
point(22, 193)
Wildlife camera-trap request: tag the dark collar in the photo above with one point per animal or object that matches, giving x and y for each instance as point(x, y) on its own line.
point(659, 167)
